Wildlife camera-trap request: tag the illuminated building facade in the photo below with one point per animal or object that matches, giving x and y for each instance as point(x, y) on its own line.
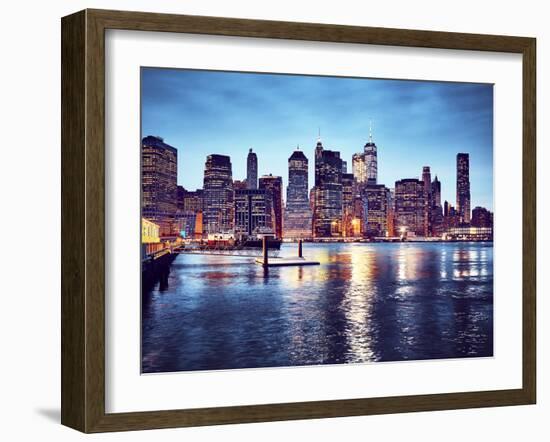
point(327, 213)
point(371, 160)
point(150, 237)
point(253, 211)
point(376, 199)
point(274, 185)
point(348, 195)
point(427, 180)
point(436, 214)
point(192, 201)
point(218, 206)
point(358, 167)
point(469, 233)
point(159, 163)
point(409, 207)
point(463, 187)
point(297, 217)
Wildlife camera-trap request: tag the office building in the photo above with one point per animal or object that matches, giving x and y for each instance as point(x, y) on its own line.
point(274, 185)
point(376, 200)
point(297, 217)
point(409, 207)
point(252, 170)
point(159, 184)
point(218, 206)
point(253, 212)
point(463, 187)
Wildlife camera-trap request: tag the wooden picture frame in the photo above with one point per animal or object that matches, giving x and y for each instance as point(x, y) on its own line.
point(83, 220)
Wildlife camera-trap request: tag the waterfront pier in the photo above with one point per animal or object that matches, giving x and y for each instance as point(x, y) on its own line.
point(298, 260)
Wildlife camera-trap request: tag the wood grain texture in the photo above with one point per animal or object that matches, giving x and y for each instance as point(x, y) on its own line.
point(73, 128)
point(83, 219)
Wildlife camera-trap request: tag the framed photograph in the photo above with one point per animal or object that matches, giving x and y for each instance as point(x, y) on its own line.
point(267, 220)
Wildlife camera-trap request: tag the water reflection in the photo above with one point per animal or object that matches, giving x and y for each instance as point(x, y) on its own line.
point(365, 302)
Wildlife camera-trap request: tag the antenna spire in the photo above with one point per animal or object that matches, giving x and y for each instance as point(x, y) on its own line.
point(370, 131)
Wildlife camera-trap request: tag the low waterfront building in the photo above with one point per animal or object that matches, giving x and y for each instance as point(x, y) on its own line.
point(253, 212)
point(150, 237)
point(469, 234)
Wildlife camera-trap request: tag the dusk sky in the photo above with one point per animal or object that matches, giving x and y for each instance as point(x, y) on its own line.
point(415, 123)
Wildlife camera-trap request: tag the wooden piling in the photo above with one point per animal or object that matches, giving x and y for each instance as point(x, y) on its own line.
point(300, 249)
point(265, 250)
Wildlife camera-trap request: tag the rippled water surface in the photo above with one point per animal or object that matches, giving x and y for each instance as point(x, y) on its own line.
point(364, 303)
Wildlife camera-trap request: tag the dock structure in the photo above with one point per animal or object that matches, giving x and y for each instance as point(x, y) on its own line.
point(299, 260)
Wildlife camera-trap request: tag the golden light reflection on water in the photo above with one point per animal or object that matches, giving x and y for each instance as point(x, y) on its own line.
point(408, 260)
point(470, 263)
point(357, 306)
point(365, 302)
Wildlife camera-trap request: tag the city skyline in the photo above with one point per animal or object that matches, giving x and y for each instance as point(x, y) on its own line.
point(471, 102)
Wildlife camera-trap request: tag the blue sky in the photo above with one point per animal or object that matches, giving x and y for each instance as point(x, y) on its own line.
point(415, 123)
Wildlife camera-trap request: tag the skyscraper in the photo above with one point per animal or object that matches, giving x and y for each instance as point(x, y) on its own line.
point(409, 206)
point(463, 187)
point(436, 210)
point(159, 175)
point(358, 167)
point(274, 185)
point(376, 198)
point(427, 180)
point(327, 214)
point(252, 170)
point(348, 195)
point(371, 160)
point(218, 207)
point(436, 192)
point(297, 218)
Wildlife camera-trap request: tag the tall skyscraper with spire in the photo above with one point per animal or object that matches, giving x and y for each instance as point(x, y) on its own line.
point(371, 159)
point(297, 217)
point(463, 187)
point(252, 170)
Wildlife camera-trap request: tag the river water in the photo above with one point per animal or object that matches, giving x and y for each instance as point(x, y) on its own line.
point(364, 303)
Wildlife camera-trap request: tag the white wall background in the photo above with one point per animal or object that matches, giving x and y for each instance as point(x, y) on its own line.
point(30, 202)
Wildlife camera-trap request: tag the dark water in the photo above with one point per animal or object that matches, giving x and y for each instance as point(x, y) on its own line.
point(365, 302)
